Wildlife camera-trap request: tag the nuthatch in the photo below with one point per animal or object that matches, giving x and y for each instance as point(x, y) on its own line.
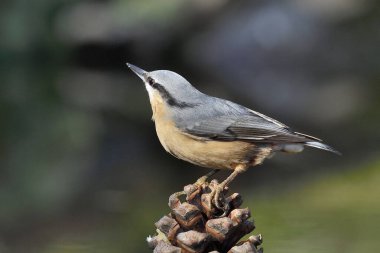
point(213, 132)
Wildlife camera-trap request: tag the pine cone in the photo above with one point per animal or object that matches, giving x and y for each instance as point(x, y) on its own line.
point(196, 226)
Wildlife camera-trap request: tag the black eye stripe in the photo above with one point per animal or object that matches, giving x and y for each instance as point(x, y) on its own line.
point(168, 97)
point(164, 93)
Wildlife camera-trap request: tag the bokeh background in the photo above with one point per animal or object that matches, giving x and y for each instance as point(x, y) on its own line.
point(81, 168)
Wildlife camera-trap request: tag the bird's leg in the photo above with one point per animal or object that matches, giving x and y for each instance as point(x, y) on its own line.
point(219, 200)
point(204, 178)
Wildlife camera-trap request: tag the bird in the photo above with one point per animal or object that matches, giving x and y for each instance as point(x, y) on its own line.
point(215, 133)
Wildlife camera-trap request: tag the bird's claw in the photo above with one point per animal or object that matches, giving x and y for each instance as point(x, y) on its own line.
point(201, 181)
point(219, 200)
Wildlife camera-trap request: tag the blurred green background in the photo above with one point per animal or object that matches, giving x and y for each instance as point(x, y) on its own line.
point(81, 169)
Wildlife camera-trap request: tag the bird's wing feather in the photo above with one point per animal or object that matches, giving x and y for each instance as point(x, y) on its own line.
point(236, 122)
point(246, 128)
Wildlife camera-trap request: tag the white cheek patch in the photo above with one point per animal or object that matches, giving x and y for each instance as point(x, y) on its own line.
point(154, 96)
point(150, 90)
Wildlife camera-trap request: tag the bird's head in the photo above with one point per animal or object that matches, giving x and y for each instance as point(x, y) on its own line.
point(167, 87)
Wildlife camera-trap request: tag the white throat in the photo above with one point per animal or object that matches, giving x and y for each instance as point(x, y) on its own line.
point(149, 89)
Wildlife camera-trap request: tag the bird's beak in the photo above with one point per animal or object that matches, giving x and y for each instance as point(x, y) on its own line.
point(139, 72)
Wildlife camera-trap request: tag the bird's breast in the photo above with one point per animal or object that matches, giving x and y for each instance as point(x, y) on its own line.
point(205, 153)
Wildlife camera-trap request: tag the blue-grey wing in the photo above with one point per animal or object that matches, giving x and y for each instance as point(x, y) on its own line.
point(226, 121)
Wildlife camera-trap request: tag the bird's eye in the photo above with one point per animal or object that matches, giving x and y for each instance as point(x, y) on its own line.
point(151, 81)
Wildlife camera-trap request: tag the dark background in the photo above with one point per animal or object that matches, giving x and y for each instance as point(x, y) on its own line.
point(81, 168)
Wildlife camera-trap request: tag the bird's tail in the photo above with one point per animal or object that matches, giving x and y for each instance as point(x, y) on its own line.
point(320, 145)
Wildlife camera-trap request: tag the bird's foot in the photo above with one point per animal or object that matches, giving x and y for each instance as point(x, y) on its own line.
point(201, 181)
point(218, 198)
